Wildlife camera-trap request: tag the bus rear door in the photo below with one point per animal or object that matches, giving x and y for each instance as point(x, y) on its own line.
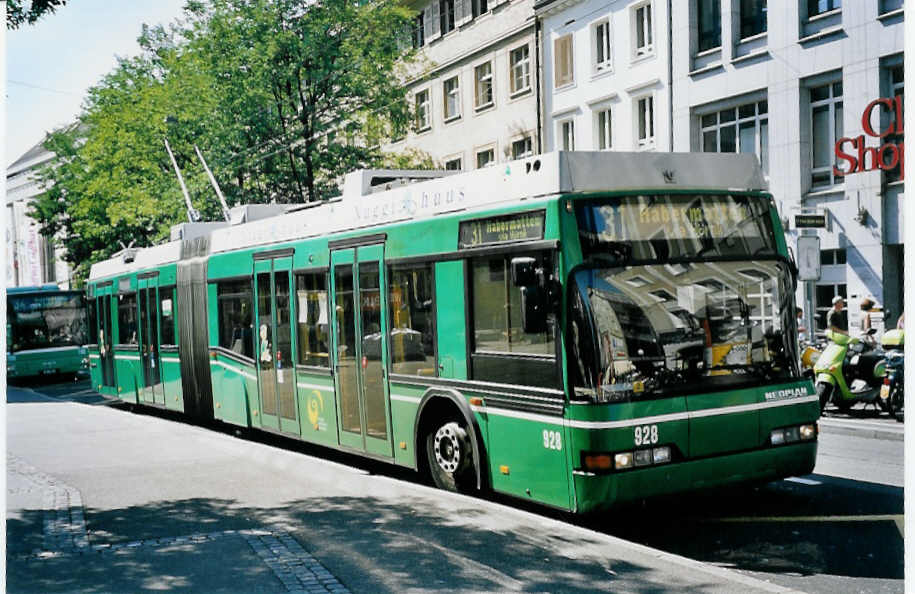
point(105, 338)
point(275, 363)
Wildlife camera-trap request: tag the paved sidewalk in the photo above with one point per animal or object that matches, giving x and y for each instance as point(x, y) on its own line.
point(877, 429)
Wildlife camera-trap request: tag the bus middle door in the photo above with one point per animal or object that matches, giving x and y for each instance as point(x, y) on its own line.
point(147, 288)
point(360, 349)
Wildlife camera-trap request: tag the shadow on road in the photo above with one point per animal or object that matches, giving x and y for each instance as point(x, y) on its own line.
point(830, 526)
point(380, 546)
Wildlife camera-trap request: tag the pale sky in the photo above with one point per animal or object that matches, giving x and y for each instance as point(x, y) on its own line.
point(51, 65)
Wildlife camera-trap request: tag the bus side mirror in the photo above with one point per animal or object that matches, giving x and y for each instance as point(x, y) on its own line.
point(533, 310)
point(525, 272)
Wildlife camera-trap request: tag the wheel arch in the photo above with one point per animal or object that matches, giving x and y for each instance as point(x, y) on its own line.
point(434, 404)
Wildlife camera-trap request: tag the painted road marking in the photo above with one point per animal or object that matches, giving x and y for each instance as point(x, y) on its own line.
point(898, 519)
point(803, 481)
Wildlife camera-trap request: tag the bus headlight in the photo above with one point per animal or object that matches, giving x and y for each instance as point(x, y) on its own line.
point(622, 460)
point(808, 432)
point(660, 455)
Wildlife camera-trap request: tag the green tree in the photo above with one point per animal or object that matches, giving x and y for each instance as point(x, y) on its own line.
point(17, 14)
point(282, 96)
point(302, 78)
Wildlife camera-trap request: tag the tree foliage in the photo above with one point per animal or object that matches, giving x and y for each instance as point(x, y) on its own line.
point(18, 14)
point(281, 96)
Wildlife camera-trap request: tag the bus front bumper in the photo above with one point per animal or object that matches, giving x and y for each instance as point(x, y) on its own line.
point(597, 492)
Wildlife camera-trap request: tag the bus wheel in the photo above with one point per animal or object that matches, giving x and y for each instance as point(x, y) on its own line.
point(450, 457)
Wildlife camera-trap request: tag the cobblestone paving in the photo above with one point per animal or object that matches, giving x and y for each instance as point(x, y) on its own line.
point(65, 534)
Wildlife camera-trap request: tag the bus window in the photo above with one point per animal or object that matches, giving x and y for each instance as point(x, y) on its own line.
point(93, 322)
point(311, 311)
point(167, 311)
point(503, 352)
point(127, 319)
point(412, 314)
point(234, 305)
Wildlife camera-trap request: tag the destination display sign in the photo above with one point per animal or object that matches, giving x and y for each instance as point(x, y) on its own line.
point(810, 221)
point(496, 230)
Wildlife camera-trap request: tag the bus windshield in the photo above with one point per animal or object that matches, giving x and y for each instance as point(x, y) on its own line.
point(46, 321)
point(686, 304)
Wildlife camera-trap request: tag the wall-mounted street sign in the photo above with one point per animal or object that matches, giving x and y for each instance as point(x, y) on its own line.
point(808, 221)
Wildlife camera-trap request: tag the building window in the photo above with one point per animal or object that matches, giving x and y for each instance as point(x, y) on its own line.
point(645, 115)
point(567, 135)
point(452, 92)
point(483, 85)
point(641, 19)
point(742, 129)
point(234, 307)
point(826, 124)
point(520, 64)
point(412, 309)
point(601, 38)
point(562, 50)
point(816, 7)
point(824, 296)
point(753, 18)
point(604, 130)
point(522, 148)
point(891, 6)
point(311, 306)
point(485, 158)
point(897, 89)
point(423, 111)
point(708, 16)
point(446, 15)
point(479, 7)
point(833, 257)
point(453, 164)
point(419, 35)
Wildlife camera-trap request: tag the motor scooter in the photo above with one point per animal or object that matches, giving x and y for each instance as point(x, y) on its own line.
point(893, 389)
point(850, 371)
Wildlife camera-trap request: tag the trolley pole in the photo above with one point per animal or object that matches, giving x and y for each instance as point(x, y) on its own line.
point(222, 199)
point(192, 214)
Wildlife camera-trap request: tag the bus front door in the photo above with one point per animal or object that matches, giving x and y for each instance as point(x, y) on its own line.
point(105, 341)
point(275, 363)
point(360, 350)
point(152, 391)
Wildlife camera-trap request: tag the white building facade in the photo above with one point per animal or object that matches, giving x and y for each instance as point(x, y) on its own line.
point(30, 258)
point(606, 75)
point(474, 96)
point(787, 83)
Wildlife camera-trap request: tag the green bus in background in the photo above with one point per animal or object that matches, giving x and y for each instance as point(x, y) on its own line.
point(574, 328)
point(45, 331)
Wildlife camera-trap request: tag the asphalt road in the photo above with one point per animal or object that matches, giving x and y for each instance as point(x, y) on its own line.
point(837, 530)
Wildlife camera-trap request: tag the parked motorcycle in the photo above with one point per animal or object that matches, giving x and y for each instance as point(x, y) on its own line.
point(893, 390)
point(849, 371)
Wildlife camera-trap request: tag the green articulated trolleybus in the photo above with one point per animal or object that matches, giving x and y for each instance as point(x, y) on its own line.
point(574, 328)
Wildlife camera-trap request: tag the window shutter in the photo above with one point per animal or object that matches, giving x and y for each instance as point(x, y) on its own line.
point(462, 12)
point(435, 28)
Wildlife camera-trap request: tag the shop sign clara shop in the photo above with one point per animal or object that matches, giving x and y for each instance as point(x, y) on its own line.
point(887, 156)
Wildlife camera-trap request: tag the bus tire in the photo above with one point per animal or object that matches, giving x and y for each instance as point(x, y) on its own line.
point(449, 455)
